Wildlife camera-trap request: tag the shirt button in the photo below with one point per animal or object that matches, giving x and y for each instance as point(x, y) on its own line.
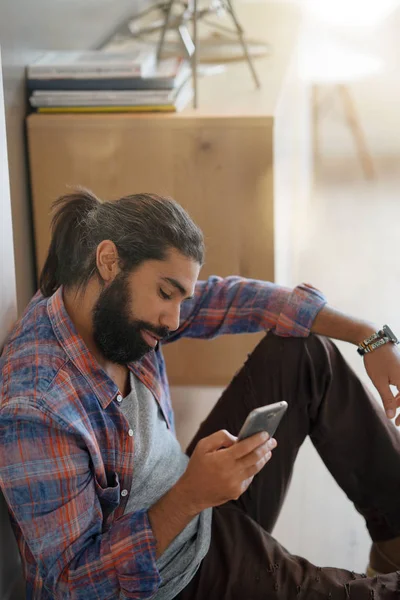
point(119, 398)
point(124, 493)
point(130, 432)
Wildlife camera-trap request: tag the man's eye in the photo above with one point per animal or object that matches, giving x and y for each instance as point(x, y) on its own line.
point(164, 295)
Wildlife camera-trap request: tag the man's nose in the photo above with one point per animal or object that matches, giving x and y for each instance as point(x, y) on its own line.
point(171, 318)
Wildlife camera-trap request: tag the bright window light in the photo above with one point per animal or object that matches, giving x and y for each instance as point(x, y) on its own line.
point(352, 13)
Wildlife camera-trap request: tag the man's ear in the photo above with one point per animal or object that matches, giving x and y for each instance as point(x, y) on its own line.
point(107, 260)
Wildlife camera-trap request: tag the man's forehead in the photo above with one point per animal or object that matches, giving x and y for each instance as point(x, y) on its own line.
point(180, 267)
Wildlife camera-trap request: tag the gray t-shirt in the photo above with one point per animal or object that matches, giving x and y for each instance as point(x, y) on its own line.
point(159, 463)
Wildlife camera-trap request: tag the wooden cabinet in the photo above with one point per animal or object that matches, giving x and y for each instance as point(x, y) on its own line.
point(219, 162)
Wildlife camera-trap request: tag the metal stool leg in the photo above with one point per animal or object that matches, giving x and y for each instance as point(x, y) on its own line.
point(164, 30)
point(243, 42)
point(191, 45)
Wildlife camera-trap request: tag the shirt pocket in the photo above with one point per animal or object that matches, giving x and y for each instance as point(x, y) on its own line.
point(109, 498)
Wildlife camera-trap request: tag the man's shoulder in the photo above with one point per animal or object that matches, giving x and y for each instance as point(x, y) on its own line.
point(32, 355)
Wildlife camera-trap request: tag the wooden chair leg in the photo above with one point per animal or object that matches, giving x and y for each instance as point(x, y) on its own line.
point(315, 122)
point(354, 124)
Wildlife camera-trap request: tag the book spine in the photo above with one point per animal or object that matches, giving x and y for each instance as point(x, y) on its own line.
point(85, 73)
point(43, 102)
point(109, 83)
point(106, 109)
point(103, 96)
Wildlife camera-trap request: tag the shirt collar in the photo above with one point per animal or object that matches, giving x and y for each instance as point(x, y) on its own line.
point(77, 351)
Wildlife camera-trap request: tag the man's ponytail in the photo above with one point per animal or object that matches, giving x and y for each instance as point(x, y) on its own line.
point(68, 253)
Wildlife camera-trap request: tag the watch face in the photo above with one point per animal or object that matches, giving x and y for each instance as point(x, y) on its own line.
point(390, 334)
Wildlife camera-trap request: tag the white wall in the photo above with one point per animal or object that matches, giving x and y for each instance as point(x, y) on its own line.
point(9, 557)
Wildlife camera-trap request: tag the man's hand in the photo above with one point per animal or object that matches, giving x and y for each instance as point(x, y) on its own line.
point(221, 468)
point(382, 365)
point(383, 368)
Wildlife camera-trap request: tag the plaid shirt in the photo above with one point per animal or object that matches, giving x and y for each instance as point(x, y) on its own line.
point(66, 451)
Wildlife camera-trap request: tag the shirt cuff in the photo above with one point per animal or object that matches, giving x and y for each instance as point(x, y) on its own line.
point(299, 311)
point(134, 551)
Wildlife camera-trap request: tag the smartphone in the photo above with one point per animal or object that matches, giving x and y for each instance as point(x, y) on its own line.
point(265, 418)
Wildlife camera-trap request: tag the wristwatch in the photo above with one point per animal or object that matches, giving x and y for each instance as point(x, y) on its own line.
point(377, 339)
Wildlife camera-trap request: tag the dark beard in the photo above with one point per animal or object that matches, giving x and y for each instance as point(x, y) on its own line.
point(116, 335)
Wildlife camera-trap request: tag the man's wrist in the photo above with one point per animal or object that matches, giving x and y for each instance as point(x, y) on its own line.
point(366, 330)
point(171, 514)
point(185, 497)
point(177, 501)
point(377, 339)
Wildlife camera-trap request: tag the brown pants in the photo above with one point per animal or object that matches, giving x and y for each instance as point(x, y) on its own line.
point(359, 446)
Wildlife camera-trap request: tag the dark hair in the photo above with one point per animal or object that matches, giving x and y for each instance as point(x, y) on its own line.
point(142, 227)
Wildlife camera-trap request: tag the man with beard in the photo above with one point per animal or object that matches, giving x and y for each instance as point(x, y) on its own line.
point(103, 501)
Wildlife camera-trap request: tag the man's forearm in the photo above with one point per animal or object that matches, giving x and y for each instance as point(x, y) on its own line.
point(169, 516)
point(334, 324)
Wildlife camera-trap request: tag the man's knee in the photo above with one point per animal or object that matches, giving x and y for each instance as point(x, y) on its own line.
point(300, 362)
point(273, 346)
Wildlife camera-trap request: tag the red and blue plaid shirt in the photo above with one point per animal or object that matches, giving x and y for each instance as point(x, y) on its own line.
point(66, 453)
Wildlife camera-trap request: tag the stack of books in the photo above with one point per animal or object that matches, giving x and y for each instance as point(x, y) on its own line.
point(99, 81)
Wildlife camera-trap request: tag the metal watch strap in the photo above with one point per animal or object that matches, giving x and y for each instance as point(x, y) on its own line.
point(383, 336)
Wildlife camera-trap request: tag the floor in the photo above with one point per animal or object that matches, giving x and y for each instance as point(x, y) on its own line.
point(349, 249)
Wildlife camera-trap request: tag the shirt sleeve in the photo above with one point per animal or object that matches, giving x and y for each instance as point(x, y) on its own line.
point(52, 494)
point(237, 305)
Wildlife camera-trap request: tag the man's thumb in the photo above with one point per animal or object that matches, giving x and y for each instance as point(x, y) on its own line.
point(389, 401)
point(217, 440)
